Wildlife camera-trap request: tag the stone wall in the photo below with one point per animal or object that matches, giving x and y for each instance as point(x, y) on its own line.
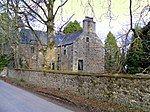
point(133, 91)
point(27, 56)
point(89, 48)
point(66, 59)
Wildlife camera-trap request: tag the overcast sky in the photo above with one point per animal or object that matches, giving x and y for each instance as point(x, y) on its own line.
point(120, 13)
point(119, 8)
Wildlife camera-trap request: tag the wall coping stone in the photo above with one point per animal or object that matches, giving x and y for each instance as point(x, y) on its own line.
point(125, 76)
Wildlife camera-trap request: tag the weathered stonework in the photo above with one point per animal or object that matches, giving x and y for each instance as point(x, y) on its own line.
point(91, 52)
point(86, 50)
point(79, 51)
point(66, 60)
point(27, 58)
point(131, 91)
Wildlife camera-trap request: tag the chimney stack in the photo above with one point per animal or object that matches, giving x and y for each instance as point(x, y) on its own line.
point(88, 25)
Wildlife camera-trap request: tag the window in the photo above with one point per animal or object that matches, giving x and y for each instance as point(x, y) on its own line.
point(87, 39)
point(53, 66)
point(20, 62)
point(58, 62)
point(80, 65)
point(32, 49)
point(58, 58)
point(65, 51)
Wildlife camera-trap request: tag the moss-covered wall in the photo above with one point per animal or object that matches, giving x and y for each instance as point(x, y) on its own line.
point(128, 90)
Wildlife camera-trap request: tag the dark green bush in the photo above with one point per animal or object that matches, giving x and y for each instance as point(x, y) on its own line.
point(133, 70)
point(5, 60)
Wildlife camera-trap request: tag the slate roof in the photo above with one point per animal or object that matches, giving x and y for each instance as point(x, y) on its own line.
point(67, 39)
point(26, 37)
point(58, 39)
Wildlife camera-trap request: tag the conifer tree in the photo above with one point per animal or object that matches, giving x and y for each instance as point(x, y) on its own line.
point(111, 54)
point(138, 57)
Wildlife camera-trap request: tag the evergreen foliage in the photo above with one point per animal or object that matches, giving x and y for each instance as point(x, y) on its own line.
point(5, 60)
point(138, 57)
point(112, 53)
point(8, 38)
point(7, 30)
point(72, 27)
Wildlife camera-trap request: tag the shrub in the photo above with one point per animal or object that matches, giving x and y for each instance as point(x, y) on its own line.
point(5, 60)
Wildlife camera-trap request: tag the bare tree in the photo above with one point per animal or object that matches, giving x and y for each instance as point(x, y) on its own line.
point(33, 11)
point(42, 11)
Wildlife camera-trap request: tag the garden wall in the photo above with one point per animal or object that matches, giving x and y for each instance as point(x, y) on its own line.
point(128, 90)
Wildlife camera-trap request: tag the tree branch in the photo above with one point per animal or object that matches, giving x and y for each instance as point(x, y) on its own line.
point(130, 8)
point(40, 8)
point(35, 18)
point(60, 7)
point(36, 36)
point(33, 11)
point(65, 23)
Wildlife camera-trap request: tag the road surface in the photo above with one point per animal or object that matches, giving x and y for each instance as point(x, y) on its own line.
point(13, 99)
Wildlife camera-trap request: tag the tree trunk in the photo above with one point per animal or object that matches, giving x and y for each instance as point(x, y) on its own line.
point(50, 21)
point(50, 52)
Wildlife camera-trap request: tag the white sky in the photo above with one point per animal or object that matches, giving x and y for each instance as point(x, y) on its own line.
point(120, 10)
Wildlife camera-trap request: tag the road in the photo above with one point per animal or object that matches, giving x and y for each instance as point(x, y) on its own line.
point(13, 99)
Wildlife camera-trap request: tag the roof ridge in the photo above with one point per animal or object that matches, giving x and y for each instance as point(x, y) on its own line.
point(74, 32)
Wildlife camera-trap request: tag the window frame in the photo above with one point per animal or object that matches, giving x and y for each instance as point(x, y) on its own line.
point(32, 49)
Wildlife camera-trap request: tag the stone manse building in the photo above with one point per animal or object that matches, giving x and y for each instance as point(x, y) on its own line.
point(27, 52)
point(78, 51)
